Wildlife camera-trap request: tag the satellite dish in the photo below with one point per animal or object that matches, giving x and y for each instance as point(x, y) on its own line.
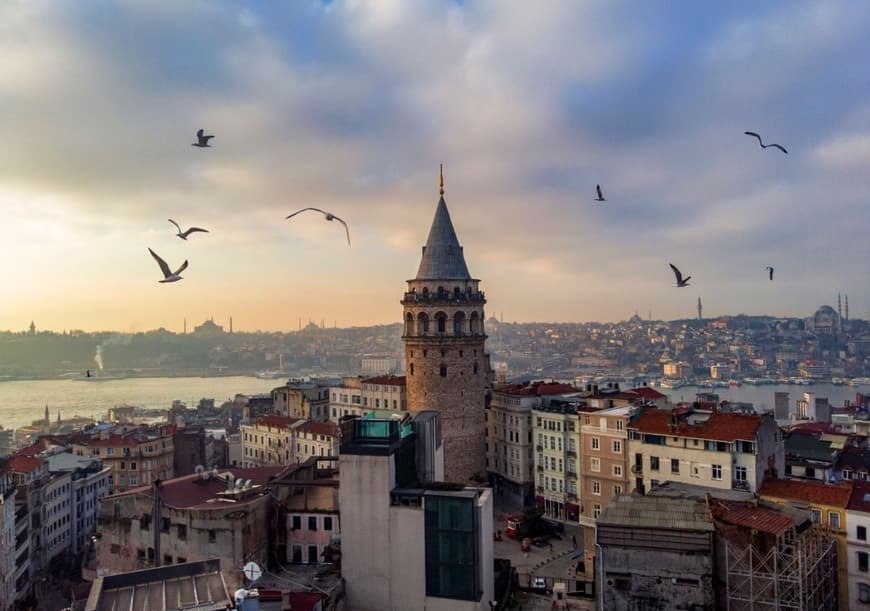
point(252, 571)
point(199, 468)
point(248, 484)
point(215, 472)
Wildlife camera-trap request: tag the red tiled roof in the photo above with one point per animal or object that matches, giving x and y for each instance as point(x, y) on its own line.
point(320, 428)
point(836, 495)
point(535, 389)
point(192, 491)
point(750, 516)
point(25, 464)
point(860, 500)
point(305, 601)
point(277, 421)
point(817, 428)
point(647, 393)
point(719, 426)
point(41, 445)
point(386, 380)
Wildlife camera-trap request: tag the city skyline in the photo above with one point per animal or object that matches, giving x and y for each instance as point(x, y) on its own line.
point(351, 106)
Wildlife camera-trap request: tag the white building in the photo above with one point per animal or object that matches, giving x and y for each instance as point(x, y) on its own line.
point(858, 545)
point(90, 481)
point(7, 539)
point(407, 546)
point(57, 515)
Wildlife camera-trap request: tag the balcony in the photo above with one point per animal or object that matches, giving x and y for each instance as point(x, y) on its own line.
point(571, 497)
point(571, 453)
point(539, 448)
point(571, 474)
point(740, 485)
point(540, 468)
point(637, 468)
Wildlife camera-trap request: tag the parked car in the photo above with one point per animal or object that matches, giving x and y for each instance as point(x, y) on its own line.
point(540, 541)
point(539, 586)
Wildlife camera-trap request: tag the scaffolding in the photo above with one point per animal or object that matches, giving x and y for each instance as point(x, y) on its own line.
point(799, 572)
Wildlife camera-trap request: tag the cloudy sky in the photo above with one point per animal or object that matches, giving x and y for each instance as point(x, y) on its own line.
point(350, 105)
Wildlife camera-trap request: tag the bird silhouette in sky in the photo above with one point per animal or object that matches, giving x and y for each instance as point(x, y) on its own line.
point(329, 217)
point(168, 275)
point(600, 197)
point(763, 145)
point(183, 234)
point(679, 276)
point(770, 269)
point(202, 139)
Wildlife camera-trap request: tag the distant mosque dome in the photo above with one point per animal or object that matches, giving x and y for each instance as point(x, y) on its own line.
point(825, 321)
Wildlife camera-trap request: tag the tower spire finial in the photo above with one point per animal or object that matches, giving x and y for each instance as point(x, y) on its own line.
point(441, 180)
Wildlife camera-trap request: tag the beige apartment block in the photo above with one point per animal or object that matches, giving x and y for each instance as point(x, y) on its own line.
point(137, 457)
point(283, 440)
point(705, 448)
point(509, 434)
point(604, 471)
point(360, 396)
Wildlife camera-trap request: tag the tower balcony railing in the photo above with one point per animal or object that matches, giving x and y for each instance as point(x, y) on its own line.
point(414, 297)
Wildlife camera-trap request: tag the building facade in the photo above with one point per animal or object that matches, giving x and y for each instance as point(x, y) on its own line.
point(300, 399)
point(407, 547)
point(704, 448)
point(283, 440)
point(89, 482)
point(447, 367)
point(359, 396)
point(198, 517)
point(137, 457)
point(858, 546)
point(7, 537)
point(509, 434)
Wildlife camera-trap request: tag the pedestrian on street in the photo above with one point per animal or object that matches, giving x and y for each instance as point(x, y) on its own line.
point(574, 540)
point(551, 548)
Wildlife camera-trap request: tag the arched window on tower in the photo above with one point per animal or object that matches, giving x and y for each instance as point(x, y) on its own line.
point(441, 318)
point(442, 370)
point(412, 368)
point(457, 293)
point(441, 292)
point(474, 323)
point(409, 324)
point(459, 323)
point(422, 323)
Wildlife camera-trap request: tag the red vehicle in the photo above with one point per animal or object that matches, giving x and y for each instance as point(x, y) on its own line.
point(513, 525)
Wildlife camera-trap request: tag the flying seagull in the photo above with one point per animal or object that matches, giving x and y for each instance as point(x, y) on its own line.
point(680, 282)
point(770, 269)
point(329, 217)
point(763, 145)
point(183, 234)
point(202, 140)
point(168, 276)
point(600, 197)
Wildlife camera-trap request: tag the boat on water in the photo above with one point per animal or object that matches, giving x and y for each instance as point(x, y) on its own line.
point(96, 376)
point(273, 375)
point(672, 384)
point(734, 383)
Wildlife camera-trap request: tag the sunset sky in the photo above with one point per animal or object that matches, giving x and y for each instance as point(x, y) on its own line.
point(351, 105)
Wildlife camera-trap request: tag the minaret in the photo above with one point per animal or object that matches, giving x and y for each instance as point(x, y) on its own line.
point(444, 338)
point(839, 306)
point(47, 417)
point(847, 307)
point(185, 325)
point(231, 324)
point(700, 309)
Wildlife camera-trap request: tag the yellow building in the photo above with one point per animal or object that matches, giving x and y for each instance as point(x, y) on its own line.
point(828, 503)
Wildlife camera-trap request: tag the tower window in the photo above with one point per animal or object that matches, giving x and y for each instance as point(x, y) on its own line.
point(412, 368)
point(443, 353)
point(475, 368)
point(443, 371)
point(425, 353)
point(442, 323)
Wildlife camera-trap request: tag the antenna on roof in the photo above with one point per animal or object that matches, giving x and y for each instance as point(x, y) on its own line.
point(252, 571)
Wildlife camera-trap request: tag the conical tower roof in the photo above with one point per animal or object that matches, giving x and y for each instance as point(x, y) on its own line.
point(442, 255)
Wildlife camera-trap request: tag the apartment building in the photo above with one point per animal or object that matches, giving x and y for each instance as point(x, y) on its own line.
point(510, 461)
point(603, 471)
point(308, 400)
point(136, 456)
point(283, 440)
point(704, 448)
point(7, 536)
point(201, 516)
point(858, 545)
point(89, 482)
point(828, 504)
point(358, 396)
point(556, 428)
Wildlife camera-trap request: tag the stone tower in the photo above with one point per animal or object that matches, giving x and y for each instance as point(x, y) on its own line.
point(445, 363)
